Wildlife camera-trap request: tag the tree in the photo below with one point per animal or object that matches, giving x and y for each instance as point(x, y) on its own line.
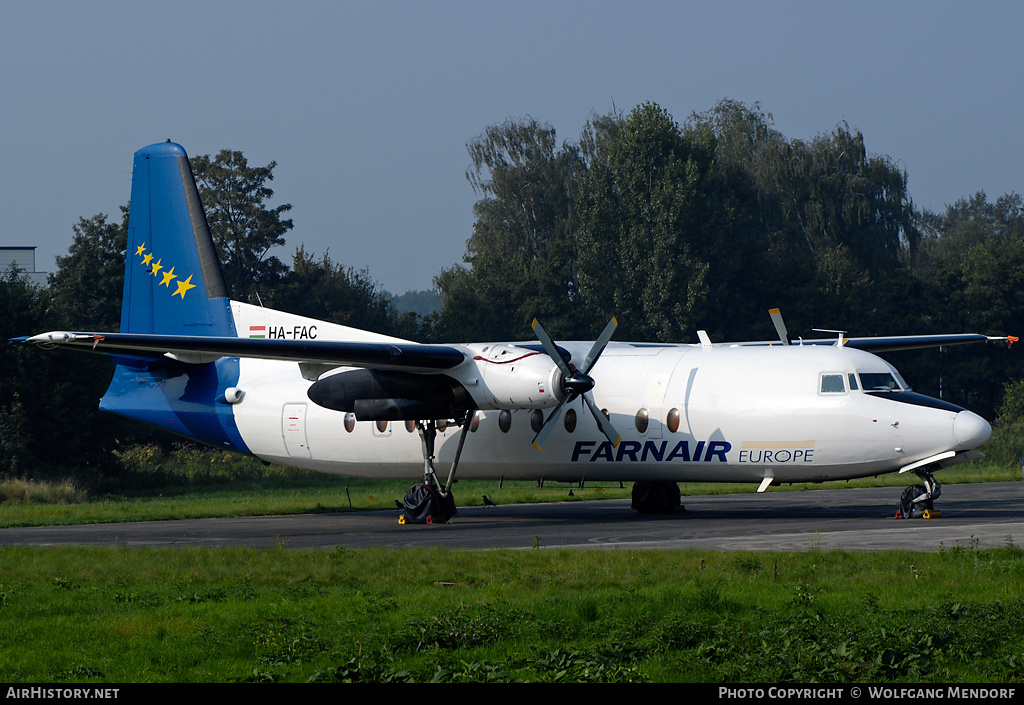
point(22, 312)
point(643, 239)
point(49, 423)
point(975, 269)
point(841, 195)
point(86, 289)
point(244, 228)
point(833, 225)
point(522, 253)
point(762, 260)
point(326, 290)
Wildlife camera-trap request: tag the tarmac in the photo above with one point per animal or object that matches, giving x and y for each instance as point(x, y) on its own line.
point(982, 515)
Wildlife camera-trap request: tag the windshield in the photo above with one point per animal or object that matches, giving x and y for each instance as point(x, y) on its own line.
point(879, 381)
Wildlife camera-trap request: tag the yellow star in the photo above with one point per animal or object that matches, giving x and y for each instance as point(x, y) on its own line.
point(147, 259)
point(183, 287)
point(167, 277)
point(156, 267)
point(142, 248)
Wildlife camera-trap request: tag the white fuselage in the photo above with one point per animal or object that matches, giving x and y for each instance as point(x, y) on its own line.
point(713, 413)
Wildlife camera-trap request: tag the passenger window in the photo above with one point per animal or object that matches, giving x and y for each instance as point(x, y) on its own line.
point(832, 384)
point(641, 420)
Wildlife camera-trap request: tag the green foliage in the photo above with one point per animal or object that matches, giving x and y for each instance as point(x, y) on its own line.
point(241, 615)
point(284, 641)
point(1011, 411)
point(643, 233)
point(673, 228)
point(422, 303)
point(329, 291)
point(49, 425)
point(455, 628)
point(244, 228)
point(86, 288)
point(522, 254)
point(973, 260)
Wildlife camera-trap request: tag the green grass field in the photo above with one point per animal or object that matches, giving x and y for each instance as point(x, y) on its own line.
point(196, 615)
point(115, 615)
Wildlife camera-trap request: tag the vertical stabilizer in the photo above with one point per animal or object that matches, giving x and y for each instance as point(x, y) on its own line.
point(173, 282)
point(173, 285)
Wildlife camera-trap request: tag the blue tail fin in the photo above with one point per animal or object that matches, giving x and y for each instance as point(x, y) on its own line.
point(173, 285)
point(173, 282)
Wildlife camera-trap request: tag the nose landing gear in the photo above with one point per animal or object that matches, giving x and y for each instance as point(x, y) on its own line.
point(917, 501)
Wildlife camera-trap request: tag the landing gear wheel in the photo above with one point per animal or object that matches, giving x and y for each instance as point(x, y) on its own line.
point(425, 505)
point(914, 502)
point(656, 497)
point(918, 499)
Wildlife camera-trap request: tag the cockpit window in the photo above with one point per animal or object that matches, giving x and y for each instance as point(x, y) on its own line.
point(879, 382)
point(853, 381)
point(832, 384)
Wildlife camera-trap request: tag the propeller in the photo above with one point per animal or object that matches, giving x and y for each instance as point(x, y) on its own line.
point(780, 325)
point(576, 382)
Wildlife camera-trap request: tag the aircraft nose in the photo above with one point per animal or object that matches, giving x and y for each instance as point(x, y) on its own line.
point(970, 430)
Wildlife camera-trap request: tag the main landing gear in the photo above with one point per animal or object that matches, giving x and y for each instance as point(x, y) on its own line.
point(656, 498)
point(429, 502)
point(917, 500)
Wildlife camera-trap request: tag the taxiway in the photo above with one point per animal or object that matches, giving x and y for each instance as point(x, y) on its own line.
point(975, 516)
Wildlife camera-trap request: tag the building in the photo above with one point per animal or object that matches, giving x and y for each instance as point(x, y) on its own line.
point(24, 260)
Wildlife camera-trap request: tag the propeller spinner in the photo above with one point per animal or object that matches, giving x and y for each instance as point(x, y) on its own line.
point(576, 383)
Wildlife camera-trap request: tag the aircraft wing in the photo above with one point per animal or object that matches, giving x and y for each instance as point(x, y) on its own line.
point(409, 357)
point(892, 343)
point(914, 342)
point(879, 344)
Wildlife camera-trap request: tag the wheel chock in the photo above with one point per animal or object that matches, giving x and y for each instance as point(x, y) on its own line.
point(401, 518)
point(931, 514)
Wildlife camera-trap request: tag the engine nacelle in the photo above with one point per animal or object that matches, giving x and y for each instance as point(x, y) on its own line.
point(510, 377)
point(375, 395)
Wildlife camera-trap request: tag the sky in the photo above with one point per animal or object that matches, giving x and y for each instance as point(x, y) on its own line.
point(367, 107)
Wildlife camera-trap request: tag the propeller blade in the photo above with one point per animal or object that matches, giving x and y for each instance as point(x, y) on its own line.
point(545, 430)
point(576, 382)
point(780, 325)
point(603, 424)
point(599, 345)
point(549, 347)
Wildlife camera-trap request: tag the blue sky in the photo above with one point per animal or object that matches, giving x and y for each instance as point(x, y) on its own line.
point(367, 106)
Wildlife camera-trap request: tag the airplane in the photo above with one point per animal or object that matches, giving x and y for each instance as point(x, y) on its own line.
point(317, 395)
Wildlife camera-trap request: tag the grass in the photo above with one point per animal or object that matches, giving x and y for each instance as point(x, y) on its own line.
point(200, 615)
point(289, 492)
